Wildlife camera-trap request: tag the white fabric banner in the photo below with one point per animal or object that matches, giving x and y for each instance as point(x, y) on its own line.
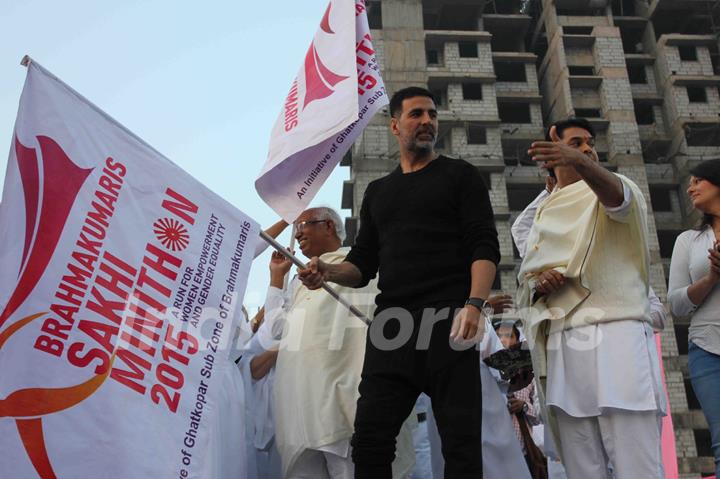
point(335, 95)
point(121, 279)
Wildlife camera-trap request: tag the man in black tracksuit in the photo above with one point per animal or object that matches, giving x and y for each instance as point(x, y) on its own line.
point(428, 229)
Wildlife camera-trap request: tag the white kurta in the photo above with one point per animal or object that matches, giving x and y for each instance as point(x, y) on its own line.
point(608, 365)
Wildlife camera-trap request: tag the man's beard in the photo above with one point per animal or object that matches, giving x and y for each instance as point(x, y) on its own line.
point(422, 146)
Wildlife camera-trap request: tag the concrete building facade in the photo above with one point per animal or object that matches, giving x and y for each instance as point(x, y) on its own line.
point(644, 72)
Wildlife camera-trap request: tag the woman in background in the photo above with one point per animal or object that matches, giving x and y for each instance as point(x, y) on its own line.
point(694, 291)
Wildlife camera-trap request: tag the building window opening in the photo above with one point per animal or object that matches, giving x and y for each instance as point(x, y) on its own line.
point(374, 14)
point(644, 114)
point(632, 39)
point(703, 439)
point(472, 91)
point(688, 53)
point(588, 112)
point(637, 74)
point(581, 70)
point(504, 7)
point(578, 12)
point(503, 42)
point(660, 199)
point(519, 196)
point(702, 135)
point(666, 238)
point(514, 112)
point(697, 94)
point(623, 8)
point(476, 135)
point(510, 71)
point(440, 95)
point(432, 57)
point(576, 30)
point(446, 16)
point(468, 49)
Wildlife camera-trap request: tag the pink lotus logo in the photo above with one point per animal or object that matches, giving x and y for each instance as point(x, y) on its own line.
point(319, 79)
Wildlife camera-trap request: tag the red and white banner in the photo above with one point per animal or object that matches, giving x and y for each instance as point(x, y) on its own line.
point(335, 95)
point(120, 278)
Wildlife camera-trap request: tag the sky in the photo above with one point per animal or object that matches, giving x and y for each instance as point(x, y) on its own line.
point(202, 82)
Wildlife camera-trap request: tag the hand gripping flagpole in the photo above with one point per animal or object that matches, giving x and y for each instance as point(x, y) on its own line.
point(281, 249)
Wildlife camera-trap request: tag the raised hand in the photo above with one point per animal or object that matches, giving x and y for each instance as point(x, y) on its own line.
point(714, 257)
point(551, 154)
point(279, 263)
point(279, 267)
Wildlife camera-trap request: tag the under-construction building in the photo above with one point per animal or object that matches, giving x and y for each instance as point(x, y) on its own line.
point(644, 72)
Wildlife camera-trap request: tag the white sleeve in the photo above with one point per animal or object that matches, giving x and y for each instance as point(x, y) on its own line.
point(264, 339)
point(277, 304)
point(680, 279)
point(619, 213)
point(657, 312)
point(522, 225)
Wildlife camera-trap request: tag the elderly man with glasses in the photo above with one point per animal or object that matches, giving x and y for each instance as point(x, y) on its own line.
point(320, 360)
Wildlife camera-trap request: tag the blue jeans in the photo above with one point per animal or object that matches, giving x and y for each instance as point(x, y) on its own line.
point(705, 377)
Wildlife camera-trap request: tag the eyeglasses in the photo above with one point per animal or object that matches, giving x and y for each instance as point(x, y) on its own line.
point(299, 227)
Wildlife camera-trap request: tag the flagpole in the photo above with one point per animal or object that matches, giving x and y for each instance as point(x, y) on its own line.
point(281, 249)
point(290, 248)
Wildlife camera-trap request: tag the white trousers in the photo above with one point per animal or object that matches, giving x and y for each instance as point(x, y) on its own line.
point(626, 441)
point(423, 463)
point(314, 464)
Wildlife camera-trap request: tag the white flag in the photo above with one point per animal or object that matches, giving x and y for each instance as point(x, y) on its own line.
point(120, 280)
point(333, 98)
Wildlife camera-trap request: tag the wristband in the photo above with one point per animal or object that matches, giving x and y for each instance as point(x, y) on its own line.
point(482, 306)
